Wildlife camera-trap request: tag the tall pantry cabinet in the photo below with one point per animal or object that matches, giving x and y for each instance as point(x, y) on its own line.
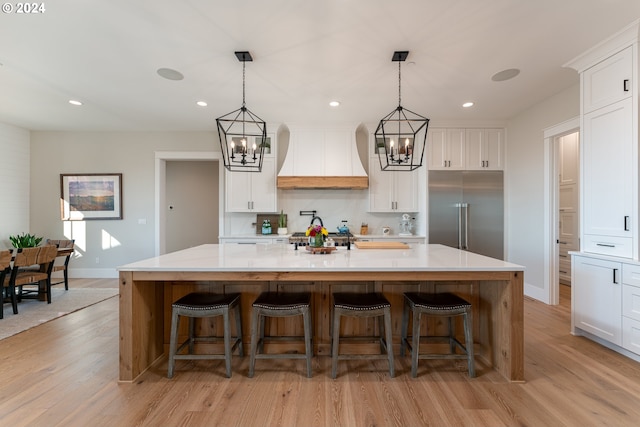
point(602, 279)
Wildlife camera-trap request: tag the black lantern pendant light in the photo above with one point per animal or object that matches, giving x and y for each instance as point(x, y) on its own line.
point(242, 134)
point(401, 136)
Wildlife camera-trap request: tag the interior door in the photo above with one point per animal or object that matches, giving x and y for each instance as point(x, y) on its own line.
point(192, 198)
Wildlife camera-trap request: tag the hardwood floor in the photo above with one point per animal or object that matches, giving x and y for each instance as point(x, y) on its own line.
point(64, 373)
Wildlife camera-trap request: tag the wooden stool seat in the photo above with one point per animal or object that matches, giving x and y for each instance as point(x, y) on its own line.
point(274, 304)
point(362, 305)
point(199, 304)
point(441, 304)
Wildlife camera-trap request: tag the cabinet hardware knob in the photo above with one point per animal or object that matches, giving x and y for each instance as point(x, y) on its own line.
point(625, 85)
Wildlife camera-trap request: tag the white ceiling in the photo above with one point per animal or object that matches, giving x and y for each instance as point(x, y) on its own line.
point(306, 53)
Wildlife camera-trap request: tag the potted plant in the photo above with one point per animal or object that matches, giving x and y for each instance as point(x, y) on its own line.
point(282, 223)
point(25, 240)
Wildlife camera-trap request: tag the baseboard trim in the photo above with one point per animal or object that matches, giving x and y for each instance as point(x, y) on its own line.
point(93, 273)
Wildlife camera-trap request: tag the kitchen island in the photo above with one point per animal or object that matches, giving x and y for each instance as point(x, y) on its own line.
point(494, 287)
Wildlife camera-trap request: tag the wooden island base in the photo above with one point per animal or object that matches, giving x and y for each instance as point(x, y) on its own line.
point(496, 296)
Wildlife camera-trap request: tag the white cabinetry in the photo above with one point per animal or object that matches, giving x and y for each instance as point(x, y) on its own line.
point(402, 239)
point(466, 149)
point(606, 273)
point(597, 298)
point(484, 149)
point(252, 191)
point(446, 149)
point(608, 187)
point(631, 307)
point(609, 123)
point(392, 191)
point(609, 81)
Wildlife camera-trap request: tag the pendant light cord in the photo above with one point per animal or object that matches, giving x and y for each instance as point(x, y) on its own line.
point(399, 84)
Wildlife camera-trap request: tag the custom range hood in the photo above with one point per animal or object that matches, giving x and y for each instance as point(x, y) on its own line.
point(322, 157)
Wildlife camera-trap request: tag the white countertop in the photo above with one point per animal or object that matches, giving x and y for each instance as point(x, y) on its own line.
point(284, 257)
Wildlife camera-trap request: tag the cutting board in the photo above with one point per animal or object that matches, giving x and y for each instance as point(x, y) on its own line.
point(381, 245)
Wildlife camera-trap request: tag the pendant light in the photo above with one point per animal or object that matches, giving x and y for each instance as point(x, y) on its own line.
point(401, 136)
point(242, 134)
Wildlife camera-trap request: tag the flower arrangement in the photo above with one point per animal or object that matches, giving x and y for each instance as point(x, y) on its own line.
point(314, 230)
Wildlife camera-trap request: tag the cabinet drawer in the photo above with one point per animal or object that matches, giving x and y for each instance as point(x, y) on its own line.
point(631, 302)
point(631, 334)
point(608, 245)
point(631, 274)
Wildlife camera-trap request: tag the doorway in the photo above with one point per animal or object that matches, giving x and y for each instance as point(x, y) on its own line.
point(554, 201)
point(161, 204)
point(192, 204)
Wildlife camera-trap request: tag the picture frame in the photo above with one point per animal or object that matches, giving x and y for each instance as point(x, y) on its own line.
point(90, 196)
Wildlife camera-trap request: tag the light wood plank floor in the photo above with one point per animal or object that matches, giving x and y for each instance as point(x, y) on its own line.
point(63, 373)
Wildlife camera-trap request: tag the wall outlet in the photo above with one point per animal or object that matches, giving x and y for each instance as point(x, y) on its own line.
point(97, 260)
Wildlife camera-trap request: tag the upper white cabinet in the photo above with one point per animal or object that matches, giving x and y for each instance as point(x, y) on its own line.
point(484, 149)
point(466, 149)
point(392, 191)
point(609, 154)
point(608, 81)
point(608, 188)
point(446, 149)
point(252, 191)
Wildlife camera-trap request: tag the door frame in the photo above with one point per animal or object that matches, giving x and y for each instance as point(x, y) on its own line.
point(551, 291)
point(161, 159)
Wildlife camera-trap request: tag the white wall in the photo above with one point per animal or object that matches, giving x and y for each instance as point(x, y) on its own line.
point(14, 182)
point(102, 245)
point(525, 178)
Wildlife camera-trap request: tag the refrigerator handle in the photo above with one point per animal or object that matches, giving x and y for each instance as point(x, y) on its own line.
point(466, 226)
point(459, 206)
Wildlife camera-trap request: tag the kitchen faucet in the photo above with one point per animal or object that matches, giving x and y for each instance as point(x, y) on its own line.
point(318, 218)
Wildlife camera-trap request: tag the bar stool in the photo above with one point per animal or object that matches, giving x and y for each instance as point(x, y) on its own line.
point(273, 304)
point(442, 304)
point(198, 304)
point(362, 305)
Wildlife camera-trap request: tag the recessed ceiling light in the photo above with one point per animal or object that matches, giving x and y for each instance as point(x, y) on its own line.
point(201, 103)
point(74, 102)
point(503, 75)
point(170, 74)
point(334, 103)
point(467, 104)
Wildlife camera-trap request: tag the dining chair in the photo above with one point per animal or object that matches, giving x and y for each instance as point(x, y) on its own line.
point(22, 275)
point(65, 250)
point(5, 268)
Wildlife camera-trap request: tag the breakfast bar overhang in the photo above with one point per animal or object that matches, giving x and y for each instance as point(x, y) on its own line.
point(494, 287)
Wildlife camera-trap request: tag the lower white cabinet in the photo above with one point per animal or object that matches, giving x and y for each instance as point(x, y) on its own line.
point(402, 239)
point(631, 307)
point(597, 297)
point(254, 240)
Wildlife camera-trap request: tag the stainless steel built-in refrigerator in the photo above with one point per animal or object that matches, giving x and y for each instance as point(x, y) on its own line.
point(466, 211)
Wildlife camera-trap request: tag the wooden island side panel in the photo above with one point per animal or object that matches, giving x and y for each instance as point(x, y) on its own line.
point(497, 299)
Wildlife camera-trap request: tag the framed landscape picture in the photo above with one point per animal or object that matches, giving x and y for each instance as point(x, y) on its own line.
point(90, 196)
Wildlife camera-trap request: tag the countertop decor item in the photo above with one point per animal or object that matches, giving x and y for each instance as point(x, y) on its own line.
point(282, 223)
point(316, 234)
point(322, 250)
